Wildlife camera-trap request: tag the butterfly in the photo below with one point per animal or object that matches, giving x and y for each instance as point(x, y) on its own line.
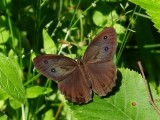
point(77, 80)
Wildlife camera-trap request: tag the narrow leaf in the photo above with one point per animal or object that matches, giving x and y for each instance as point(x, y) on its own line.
point(49, 45)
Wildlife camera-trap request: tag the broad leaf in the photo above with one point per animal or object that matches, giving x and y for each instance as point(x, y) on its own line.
point(35, 91)
point(10, 79)
point(129, 102)
point(152, 8)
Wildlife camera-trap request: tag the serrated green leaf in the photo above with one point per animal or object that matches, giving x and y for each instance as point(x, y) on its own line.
point(10, 79)
point(130, 102)
point(152, 8)
point(49, 45)
point(35, 91)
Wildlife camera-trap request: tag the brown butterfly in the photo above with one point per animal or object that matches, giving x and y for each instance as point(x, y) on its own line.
point(77, 79)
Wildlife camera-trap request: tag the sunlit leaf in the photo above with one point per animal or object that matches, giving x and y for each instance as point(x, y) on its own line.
point(129, 102)
point(10, 79)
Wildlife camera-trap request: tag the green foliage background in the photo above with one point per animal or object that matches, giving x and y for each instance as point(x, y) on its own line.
point(33, 27)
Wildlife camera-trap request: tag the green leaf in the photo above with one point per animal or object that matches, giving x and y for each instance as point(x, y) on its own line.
point(152, 8)
point(81, 50)
point(99, 19)
point(3, 95)
point(35, 91)
point(14, 104)
point(4, 117)
point(49, 115)
point(129, 102)
point(49, 45)
point(10, 79)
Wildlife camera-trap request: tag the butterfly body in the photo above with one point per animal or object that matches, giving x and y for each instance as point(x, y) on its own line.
point(77, 79)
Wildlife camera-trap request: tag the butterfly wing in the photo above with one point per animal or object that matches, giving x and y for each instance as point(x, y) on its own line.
point(97, 59)
point(102, 47)
point(54, 67)
point(71, 80)
point(76, 87)
point(102, 77)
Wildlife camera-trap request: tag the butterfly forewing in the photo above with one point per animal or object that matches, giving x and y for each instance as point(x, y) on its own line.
point(102, 47)
point(54, 67)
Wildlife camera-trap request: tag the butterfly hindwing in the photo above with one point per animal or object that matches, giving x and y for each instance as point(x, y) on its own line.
point(103, 77)
point(76, 87)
